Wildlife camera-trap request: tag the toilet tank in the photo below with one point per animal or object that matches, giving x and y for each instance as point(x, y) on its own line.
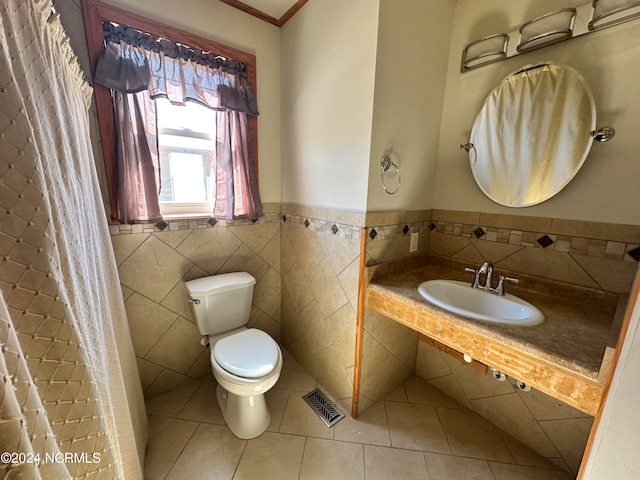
point(221, 302)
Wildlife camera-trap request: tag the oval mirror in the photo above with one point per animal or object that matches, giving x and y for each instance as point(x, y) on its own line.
point(532, 134)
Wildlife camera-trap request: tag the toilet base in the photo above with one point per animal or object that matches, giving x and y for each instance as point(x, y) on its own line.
point(246, 416)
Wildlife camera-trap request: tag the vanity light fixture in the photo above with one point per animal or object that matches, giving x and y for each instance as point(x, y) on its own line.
point(607, 13)
point(547, 29)
point(484, 51)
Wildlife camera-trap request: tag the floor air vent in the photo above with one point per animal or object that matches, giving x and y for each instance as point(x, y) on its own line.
point(323, 407)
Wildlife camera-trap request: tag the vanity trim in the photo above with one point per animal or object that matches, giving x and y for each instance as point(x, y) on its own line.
point(476, 365)
point(362, 304)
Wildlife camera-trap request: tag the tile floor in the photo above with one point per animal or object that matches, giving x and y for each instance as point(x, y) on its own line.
point(416, 432)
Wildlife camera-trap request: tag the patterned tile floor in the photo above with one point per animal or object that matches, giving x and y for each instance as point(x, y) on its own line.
point(416, 432)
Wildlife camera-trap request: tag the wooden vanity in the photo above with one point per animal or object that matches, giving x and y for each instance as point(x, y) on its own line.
point(567, 357)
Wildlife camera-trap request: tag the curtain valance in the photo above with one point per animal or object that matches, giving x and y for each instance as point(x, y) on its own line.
point(134, 61)
point(117, 33)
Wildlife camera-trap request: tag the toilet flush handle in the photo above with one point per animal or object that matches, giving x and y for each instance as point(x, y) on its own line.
point(193, 300)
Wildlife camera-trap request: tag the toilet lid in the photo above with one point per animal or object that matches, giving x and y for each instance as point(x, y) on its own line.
point(250, 353)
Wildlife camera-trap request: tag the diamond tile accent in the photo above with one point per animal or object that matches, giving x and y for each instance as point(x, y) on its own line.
point(432, 226)
point(334, 228)
point(212, 221)
point(635, 254)
point(162, 225)
point(405, 229)
point(478, 232)
point(284, 218)
point(307, 222)
point(544, 241)
point(373, 234)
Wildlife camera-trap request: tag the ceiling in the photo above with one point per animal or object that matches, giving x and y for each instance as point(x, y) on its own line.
point(274, 8)
point(276, 12)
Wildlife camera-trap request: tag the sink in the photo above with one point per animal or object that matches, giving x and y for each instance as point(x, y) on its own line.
point(461, 299)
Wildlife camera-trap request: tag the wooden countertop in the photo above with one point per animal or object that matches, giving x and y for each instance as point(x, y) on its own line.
point(561, 357)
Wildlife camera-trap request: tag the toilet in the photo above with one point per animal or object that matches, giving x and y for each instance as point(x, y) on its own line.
point(246, 362)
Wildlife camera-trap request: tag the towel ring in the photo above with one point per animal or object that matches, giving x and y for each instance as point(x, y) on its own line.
point(470, 147)
point(385, 165)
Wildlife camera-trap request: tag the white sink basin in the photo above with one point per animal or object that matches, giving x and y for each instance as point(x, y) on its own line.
point(461, 299)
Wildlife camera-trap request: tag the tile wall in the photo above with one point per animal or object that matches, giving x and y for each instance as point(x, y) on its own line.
point(390, 349)
point(320, 254)
point(591, 254)
point(306, 262)
point(154, 262)
point(548, 426)
point(320, 258)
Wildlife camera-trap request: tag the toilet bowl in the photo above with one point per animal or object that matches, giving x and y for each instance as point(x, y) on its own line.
point(246, 362)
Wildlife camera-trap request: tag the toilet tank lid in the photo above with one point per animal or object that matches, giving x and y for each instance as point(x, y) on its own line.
point(220, 283)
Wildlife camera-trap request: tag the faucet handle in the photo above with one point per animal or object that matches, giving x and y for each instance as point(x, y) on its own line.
point(501, 279)
point(476, 278)
point(510, 279)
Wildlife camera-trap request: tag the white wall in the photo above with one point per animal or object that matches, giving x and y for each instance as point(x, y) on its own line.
point(609, 60)
point(411, 68)
point(616, 440)
point(220, 22)
point(328, 54)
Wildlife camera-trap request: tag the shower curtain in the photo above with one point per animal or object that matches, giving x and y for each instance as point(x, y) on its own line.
point(71, 403)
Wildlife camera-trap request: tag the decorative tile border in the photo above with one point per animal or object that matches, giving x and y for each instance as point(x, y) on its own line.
point(329, 221)
point(389, 232)
point(591, 247)
point(187, 224)
point(271, 215)
point(465, 224)
point(339, 229)
point(322, 226)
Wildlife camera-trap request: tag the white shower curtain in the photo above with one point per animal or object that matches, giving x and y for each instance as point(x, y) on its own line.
point(71, 404)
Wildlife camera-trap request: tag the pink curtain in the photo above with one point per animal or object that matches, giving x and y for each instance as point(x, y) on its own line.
point(236, 193)
point(138, 165)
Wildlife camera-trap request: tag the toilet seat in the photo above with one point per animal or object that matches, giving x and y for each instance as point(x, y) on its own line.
point(250, 353)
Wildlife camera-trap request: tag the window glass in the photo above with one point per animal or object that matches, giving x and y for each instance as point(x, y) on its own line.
point(187, 158)
point(189, 117)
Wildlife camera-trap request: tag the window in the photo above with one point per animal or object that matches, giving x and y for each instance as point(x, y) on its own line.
point(186, 145)
point(185, 149)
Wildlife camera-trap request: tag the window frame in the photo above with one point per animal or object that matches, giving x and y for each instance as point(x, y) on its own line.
point(94, 14)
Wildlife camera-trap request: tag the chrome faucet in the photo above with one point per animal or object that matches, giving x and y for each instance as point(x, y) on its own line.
point(487, 269)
